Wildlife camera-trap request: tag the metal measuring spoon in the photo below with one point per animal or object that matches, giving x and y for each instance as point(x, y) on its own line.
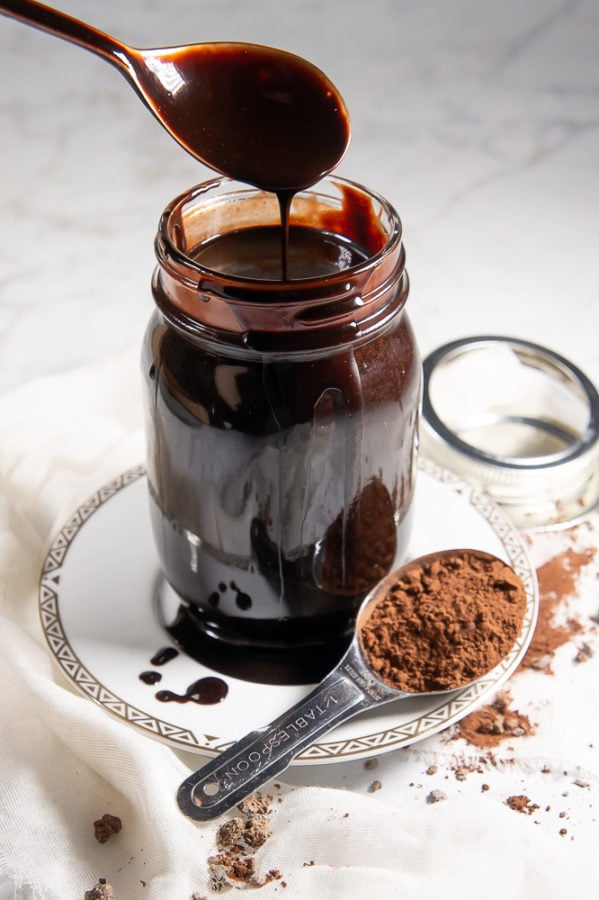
point(257, 114)
point(350, 688)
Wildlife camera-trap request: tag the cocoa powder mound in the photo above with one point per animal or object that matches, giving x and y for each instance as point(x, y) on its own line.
point(444, 623)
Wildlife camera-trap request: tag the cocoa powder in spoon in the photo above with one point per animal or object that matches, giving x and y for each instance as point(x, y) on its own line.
point(445, 623)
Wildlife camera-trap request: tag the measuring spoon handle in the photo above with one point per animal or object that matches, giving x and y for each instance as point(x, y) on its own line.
point(262, 754)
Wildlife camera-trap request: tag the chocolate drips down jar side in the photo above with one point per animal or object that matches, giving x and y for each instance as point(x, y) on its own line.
point(281, 417)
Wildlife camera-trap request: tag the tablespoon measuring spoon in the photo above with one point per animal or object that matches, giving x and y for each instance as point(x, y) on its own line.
point(257, 114)
point(351, 687)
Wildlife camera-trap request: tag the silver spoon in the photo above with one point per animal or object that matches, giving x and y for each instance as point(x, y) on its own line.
point(350, 688)
point(257, 114)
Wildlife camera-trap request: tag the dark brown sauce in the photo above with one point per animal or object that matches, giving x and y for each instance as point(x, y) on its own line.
point(205, 691)
point(286, 663)
point(150, 677)
point(264, 576)
point(256, 253)
point(164, 655)
point(257, 114)
point(268, 589)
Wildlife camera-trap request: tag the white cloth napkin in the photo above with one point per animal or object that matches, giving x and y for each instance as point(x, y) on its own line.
point(64, 762)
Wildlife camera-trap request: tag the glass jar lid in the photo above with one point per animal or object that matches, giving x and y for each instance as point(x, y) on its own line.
point(517, 419)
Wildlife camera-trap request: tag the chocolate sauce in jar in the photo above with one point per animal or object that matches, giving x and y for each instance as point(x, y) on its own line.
point(281, 416)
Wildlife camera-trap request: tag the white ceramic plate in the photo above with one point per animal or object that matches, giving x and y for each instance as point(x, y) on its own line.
point(98, 617)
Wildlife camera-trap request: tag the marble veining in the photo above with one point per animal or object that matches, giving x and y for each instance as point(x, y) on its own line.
point(478, 121)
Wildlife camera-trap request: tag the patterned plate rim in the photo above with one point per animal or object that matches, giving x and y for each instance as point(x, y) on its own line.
point(450, 710)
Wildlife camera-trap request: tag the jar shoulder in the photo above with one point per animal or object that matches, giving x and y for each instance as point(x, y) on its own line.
point(264, 393)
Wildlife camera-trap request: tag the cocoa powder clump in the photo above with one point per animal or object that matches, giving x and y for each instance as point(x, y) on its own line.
point(230, 832)
point(105, 827)
point(444, 623)
point(492, 724)
point(101, 891)
point(235, 864)
point(521, 803)
point(258, 804)
point(256, 831)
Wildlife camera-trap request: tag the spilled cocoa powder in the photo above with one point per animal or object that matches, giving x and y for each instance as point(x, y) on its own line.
point(494, 723)
point(444, 623)
point(557, 582)
point(521, 803)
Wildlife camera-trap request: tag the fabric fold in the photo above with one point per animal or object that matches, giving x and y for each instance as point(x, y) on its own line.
point(64, 762)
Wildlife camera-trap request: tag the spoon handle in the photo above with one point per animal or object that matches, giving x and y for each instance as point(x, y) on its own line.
point(61, 25)
point(262, 754)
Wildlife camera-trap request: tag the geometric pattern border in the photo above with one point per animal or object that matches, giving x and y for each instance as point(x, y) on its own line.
point(49, 612)
point(449, 711)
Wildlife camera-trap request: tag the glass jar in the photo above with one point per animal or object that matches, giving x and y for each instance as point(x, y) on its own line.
point(281, 423)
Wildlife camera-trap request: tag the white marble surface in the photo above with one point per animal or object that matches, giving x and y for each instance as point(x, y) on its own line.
point(478, 121)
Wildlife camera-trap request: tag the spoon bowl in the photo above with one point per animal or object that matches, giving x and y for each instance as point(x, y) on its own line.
point(257, 114)
point(352, 687)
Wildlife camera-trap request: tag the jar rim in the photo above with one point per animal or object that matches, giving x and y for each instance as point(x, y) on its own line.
point(550, 486)
point(167, 248)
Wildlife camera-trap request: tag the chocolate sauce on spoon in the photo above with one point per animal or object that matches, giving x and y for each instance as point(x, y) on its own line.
point(257, 114)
